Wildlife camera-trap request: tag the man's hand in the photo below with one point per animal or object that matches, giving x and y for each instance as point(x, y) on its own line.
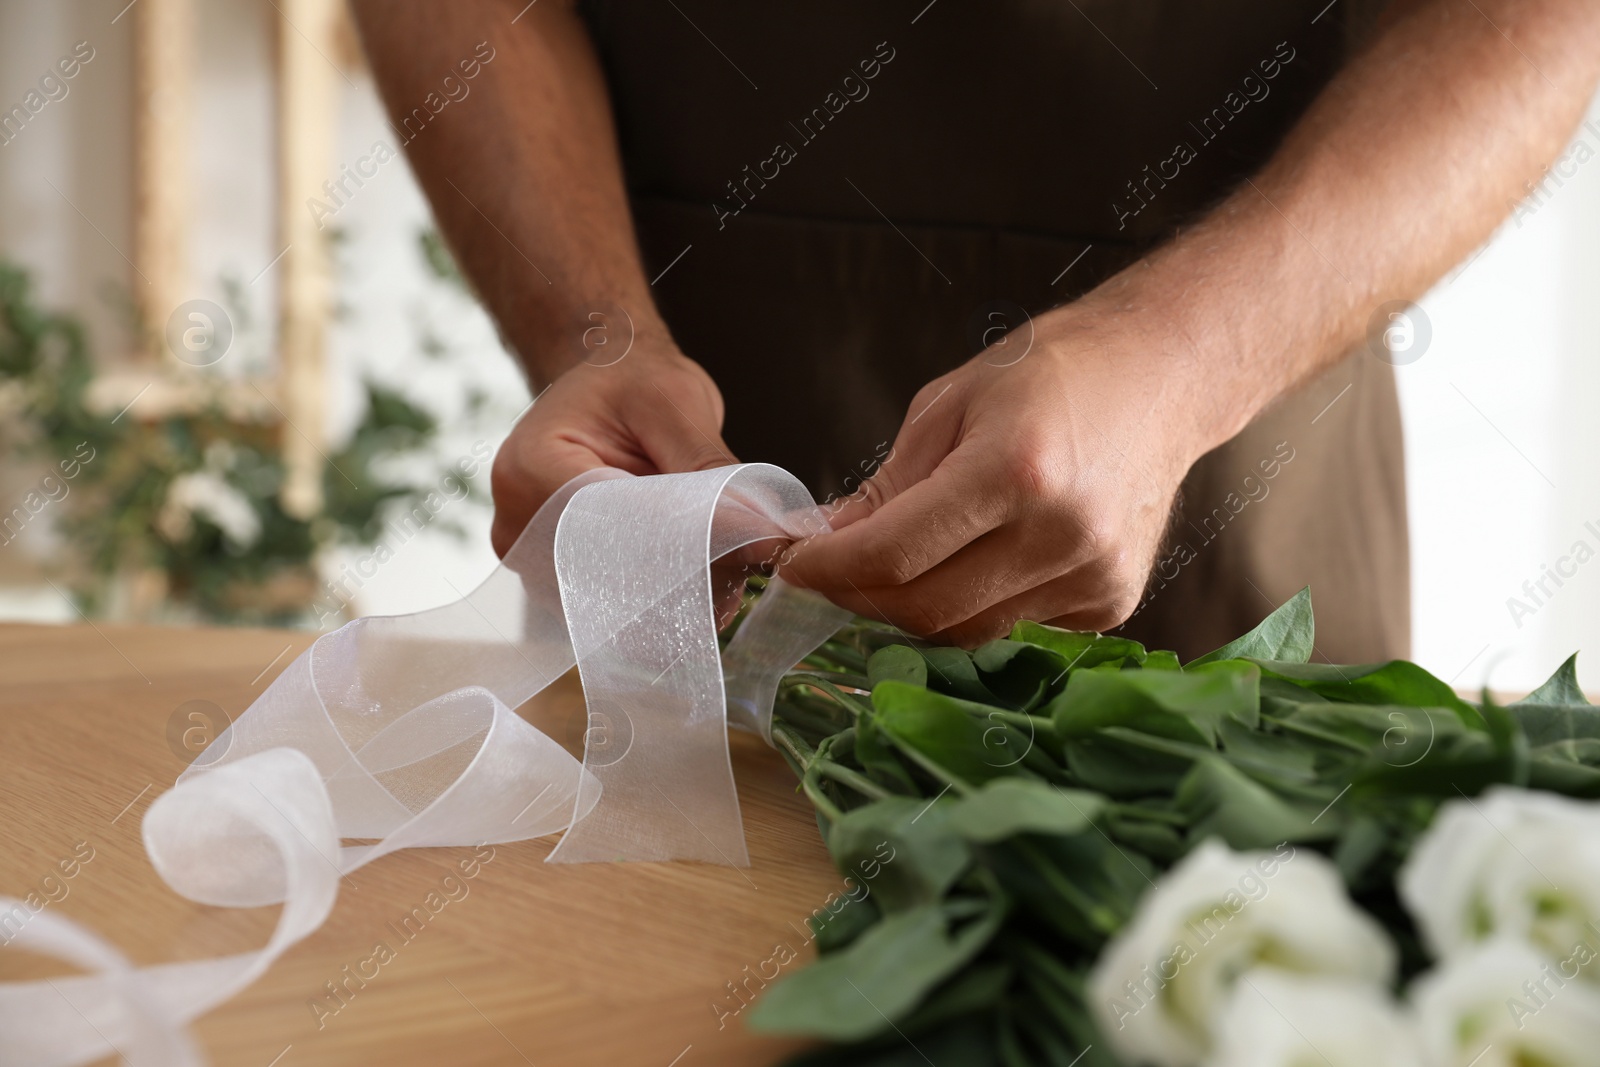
point(1036, 489)
point(654, 412)
point(1040, 490)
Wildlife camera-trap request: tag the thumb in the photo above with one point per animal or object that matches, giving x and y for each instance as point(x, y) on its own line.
point(689, 448)
point(681, 436)
point(521, 482)
point(925, 438)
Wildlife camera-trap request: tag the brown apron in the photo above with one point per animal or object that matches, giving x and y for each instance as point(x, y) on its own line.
point(839, 198)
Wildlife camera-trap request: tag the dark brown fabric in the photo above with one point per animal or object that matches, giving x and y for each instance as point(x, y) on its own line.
point(997, 145)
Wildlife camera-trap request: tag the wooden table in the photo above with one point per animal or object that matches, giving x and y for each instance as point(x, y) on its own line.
point(606, 964)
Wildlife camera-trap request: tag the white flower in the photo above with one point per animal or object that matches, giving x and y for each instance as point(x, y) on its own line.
point(1514, 863)
point(1503, 1004)
point(1160, 987)
point(205, 493)
point(1280, 1019)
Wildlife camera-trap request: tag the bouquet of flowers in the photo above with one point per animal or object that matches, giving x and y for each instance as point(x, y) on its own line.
point(1063, 848)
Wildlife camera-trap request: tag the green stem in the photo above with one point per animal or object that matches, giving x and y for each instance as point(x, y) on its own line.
point(937, 772)
point(1313, 732)
point(806, 719)
point(818, 800)
point(845, 700)
point(855, 780)
point(1100, 917)
point(845, 655)
point(1034, 724)
point(829, 679)
point(1137, 811)
point(793, 746)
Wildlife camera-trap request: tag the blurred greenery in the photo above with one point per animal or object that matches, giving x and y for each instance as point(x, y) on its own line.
point(228, 550)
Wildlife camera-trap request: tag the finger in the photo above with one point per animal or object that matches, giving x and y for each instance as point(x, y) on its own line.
point(1090, 598)
point(908, 535)
point(1001, 564)
point(931, 431)
point(521, 485)
point(727, 589)
point(679, 435)
point(760, 557)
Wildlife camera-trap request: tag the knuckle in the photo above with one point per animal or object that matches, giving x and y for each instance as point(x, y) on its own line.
point(888, 563)
point(1100, 541)
point(1031, 470)
point(930, 394)
point(706, 456)
point(1114, 601)
point(924, 617)
point(1115, 611)
point(875, 491)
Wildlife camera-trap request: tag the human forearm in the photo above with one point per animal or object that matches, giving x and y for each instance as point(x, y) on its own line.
point(1407, 162)
point(1041, 487)
point(523, 174)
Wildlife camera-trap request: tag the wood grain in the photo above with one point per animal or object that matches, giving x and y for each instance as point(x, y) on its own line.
point(524, 963)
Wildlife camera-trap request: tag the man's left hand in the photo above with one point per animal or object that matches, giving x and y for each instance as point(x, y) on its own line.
point(1036, 487)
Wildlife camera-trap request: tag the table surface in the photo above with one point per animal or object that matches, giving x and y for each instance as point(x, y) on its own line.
point(542, 964)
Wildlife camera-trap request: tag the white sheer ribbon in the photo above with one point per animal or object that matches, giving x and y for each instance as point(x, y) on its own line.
point(398, 732)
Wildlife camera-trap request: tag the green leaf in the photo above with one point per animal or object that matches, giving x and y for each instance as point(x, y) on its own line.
point(880, 977)
point(1185, 705)
point(901, 849)
point(1019, 673)
point(1450, 763)
point(1584, 750)
point(1119, 769)
point(1560, 690)
point(1014, 806)
point(1510, 743)
point(1360, 845)
point(1076, 648)
point(997, 655)
point(1546, 724)
point(1223, 800)
point(877, 757)
point(1162, 660)
point(1395, 682)
point(1158, 840)
point(1286, 635)
point(942, 729)
point(1272, 756)
point(1550, 768)
point(1397, 733)
point(950, 670)
point(900, 663)
point(834, 929)
point(1082, 885)
point(973, 989)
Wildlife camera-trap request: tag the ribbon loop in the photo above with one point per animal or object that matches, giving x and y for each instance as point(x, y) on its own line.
point(398, 732)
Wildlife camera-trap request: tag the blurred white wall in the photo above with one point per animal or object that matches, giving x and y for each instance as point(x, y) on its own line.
point(1503, 447)
point(1503, 444)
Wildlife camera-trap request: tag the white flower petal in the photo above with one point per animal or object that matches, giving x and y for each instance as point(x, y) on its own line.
point(1512, 863)
point(1159, 988)
point(1504, 1004)
point(1280, 1019)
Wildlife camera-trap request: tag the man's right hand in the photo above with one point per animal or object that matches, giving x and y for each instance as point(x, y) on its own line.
point(654, 412)
point(526, 185)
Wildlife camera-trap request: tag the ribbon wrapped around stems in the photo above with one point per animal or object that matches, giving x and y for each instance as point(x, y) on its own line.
point(398, 732)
